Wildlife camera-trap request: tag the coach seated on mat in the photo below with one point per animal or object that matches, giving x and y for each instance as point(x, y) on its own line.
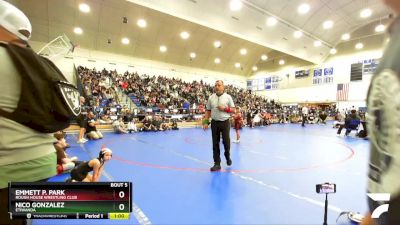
point(351, 122)
point(119, 126)
point(322, 117)
point(148, 124)
point(311, 118)
point(64, 163)
point(91, 131)
point(340, 116)
point(132, 126)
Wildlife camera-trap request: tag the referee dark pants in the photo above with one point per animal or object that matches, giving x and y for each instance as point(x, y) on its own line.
point(304, 119)
point(218, 128)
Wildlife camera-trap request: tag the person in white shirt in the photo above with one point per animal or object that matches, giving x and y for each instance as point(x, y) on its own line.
point(119, 126)
point(304, 112)
point(219, 108)
point(132, 126)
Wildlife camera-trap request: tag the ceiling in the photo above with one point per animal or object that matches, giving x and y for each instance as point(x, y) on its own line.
point(206, 21)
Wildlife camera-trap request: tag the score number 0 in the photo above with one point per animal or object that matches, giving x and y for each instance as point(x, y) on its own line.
point(121, 194)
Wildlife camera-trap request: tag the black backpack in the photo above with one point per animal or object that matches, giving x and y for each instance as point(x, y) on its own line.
point(48, 102)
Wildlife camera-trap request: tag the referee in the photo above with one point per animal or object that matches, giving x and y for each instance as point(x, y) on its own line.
point(219, 107)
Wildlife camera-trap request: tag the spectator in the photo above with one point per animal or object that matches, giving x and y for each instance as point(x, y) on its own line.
point(65, 163)
point(91, 130)
point(148, 125)
point(81, 120)
point(132, 126)
point(347, 124)
point(119, 126)
point(322, 117)
point(304, 113)
point(238, 121)
point(174, 125)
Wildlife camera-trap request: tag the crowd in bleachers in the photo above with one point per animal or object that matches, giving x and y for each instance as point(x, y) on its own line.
point(167, 96)
point(164, 96)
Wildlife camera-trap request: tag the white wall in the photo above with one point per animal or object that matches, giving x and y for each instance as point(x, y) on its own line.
point(293, 90)
point(142, 66)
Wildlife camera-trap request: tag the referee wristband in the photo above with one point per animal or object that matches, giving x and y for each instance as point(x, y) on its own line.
point(206, 122)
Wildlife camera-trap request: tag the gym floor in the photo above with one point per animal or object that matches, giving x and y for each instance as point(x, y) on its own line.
point(272, 179)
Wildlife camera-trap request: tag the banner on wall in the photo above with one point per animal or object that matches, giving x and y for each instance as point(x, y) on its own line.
point(272, 82)
point(268, 83)
point(317, 72)
point(369, 66)
point(255, 85)
point(249, 84)
point(261, 84)
point(328, 71)
point(301, 74)
point(318, 79)
point(328, 75)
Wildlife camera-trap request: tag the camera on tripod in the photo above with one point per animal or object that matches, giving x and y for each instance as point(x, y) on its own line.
point(325, 188)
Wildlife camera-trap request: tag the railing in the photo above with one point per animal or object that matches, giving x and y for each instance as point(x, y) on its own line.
point(125, 100)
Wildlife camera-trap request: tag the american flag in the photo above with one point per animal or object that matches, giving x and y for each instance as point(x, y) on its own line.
point(342, 93)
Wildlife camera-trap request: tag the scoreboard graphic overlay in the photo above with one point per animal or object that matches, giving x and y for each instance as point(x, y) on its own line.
point(101, 200)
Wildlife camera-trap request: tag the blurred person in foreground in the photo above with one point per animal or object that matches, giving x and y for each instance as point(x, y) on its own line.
point(384, 129)
point(31, 107)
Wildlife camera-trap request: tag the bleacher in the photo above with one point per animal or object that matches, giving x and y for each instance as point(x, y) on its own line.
point(135, 99)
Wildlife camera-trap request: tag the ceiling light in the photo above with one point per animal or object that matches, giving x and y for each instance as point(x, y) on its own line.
point(380, 28)
point(235, 5)
point(217, 60)
point(192, 55)
point(345, 37)
point(141, 23)
point(317, 43)
point(243, 51)
point(78, 30)
point(327, 24)
point(297, 34)
point(272, 21)
point(264, 57)
point(163, 48)
point(255, 68)
point(85, 8)
point(217, 44)
point(281, 62)
point(365, 13)
point(185, 35)
point(333, 51)
point(237, 65)
point(125, 41)
point(303, 8)
point(359, 45)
